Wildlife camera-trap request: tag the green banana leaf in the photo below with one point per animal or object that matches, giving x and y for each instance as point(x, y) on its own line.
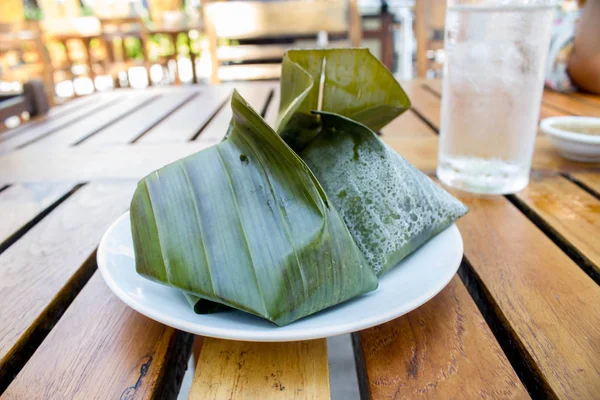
point(349, 82)
point(246, 224)
point(390, 207)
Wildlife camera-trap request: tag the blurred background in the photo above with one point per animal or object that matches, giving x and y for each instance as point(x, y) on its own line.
point(77, 47)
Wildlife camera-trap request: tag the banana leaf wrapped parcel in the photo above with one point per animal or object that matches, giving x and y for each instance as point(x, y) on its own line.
point(284, 223)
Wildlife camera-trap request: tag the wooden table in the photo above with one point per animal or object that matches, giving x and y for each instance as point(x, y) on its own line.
point(522, 318)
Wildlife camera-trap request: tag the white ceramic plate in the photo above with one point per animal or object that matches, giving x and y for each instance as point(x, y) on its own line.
point(405, 287)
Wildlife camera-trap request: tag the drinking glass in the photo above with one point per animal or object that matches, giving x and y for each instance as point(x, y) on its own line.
point(492, 90)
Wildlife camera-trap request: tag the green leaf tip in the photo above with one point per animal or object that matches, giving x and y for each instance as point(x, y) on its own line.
point(349, 82)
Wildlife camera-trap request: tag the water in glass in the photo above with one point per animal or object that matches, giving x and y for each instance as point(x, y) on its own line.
point(492, 89)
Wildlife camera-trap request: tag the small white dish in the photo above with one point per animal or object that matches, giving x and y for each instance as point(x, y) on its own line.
point(566, 134)
point(405, 287)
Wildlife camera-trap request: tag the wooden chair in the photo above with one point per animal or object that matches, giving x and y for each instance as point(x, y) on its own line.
point(64, 25)
point(430, 21)
point(122, 28)
point(251, 20)
point(32, 100)
point(23, 39)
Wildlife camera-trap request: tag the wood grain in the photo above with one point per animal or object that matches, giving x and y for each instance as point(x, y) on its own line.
point(107, 116)
point(571, 104)
point(433, 84)
point(255, 95)
point(570, 212)
point(101, 348)
point(13, 140)
point(39, 272)
point(139, 120)
point(590, 179)
point(423, 101)
point(53, 113)
point(20, 203)
point(230, 369)
point(587, 97)
point(189, 119)
point(91, 163)
point(547, 304)
point(407, 124)
point(442, 350)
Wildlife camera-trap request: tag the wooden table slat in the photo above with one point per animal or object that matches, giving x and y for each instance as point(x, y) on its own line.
point(13, 140)
point(441, 350)
point(229, 369)
point(589, 98)
point(43, 270)
point(84, 163)
point(187, 121)
point(82, 129)
point(570, 212)
point(216, 129)
point(550, 307)
point(102, 349)
point(407, 124)
point(571, 104)
point(52, 114)
point(590, 179)
point(424, 102)
point(128, 128)
point(547, 112)
point(20, 203)
point(433, 84)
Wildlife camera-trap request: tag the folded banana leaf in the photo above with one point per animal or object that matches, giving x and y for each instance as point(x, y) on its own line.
point(245, 224)
point(349, 82)
point(390, 207)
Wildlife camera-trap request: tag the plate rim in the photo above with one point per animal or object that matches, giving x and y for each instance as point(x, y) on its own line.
point(261, 336)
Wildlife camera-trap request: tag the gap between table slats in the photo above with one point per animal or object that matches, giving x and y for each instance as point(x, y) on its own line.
point(100, 120)
point(273, 106)
point(257, 96)
point(568, 215)
point(52, 125)
point(51, 262)
point(441, 350)
point(545, 309)
point(134, 125)
point(571, 104)
point(588, 181)
point(102, 349)
point(53, 113)
point(188, 120)
point(24, 205)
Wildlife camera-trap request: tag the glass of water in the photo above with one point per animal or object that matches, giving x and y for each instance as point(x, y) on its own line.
point(492, 90)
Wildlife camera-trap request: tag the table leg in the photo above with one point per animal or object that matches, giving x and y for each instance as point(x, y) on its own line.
point(192, 58)
point(70, 74)
point(175, 54)
point(90, 64)
point(387, 40)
